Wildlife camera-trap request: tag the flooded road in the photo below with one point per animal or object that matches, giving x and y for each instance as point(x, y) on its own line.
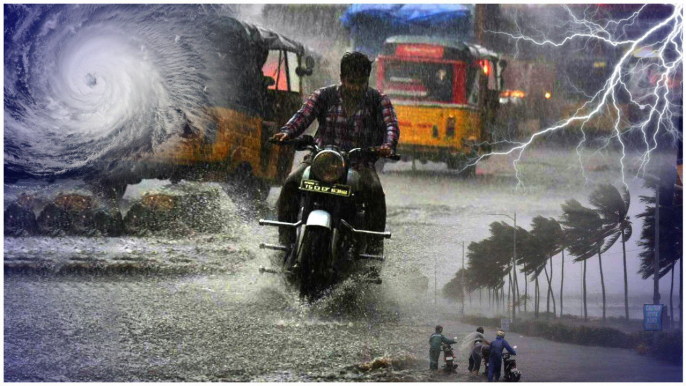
point(218, 328)
point(234, 324)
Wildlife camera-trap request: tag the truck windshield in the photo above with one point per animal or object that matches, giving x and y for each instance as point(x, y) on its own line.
point(415, 81)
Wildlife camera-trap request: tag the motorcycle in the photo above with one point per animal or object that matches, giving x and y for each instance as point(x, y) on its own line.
point(512, 374)
point(449, 357)
point(330, 243)
point(485, 352)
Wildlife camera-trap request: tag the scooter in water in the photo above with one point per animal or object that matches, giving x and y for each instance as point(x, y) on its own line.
point(449, 357)
point(512, 374)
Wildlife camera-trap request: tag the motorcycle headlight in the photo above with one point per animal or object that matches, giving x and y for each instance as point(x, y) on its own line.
point(328, 166)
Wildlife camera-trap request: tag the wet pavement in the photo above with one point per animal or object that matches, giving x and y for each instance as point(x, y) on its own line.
point(201, 311)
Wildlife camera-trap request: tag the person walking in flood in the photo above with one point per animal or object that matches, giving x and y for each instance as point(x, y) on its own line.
point(495, 359)
point(435, 347)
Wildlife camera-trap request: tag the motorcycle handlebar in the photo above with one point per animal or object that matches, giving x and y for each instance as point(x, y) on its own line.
point(304, 142)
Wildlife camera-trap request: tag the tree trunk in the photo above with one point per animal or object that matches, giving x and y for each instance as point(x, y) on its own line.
point(502, 293)
point(526, 291)
point(602, 281)
point(550, 292)
point(681, 292)
point(519, 300)
point(495, 301)
point(535, 301)
point(626, 282)
point(671, 306)
point(562, 280)
point(584, 291)
point(547, 293)
point(510, 292)
point(538, 297)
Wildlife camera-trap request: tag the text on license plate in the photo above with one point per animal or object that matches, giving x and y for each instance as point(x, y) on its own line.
point(316, 186)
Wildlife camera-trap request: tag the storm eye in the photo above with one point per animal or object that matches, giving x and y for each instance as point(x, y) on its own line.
point(91, 80)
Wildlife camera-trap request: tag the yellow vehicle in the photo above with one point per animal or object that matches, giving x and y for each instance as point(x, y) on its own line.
point(260, 88)
point(445, 93)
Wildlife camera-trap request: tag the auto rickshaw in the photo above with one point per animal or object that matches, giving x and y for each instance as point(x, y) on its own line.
point(259, 86)
point(445, 93)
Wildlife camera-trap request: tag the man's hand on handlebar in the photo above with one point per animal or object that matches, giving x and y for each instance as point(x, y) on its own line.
point(280, 137)
point(385, 150)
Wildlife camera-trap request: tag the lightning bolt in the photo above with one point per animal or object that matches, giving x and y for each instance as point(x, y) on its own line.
point(667, 63)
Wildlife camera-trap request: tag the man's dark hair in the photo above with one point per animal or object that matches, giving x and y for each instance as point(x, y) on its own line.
point(439, 328)
point(480, 329)
point(355, 64)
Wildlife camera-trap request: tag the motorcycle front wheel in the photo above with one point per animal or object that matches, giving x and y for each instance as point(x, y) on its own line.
point(314, 260)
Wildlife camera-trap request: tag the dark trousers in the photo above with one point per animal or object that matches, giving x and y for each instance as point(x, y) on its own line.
point(433, 359)
point(494, 365)
point(288, 205)
point(475, 360)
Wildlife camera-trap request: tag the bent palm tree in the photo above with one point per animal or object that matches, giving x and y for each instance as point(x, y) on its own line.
point(549, 238)
point(583, 230)
point(671, 252)
point(613, 209)
point(533, 258)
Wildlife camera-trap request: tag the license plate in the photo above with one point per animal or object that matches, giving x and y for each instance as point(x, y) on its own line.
point(448, 358)
point(318, 187)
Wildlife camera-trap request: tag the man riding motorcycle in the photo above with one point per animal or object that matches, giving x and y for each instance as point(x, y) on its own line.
point(350, 115)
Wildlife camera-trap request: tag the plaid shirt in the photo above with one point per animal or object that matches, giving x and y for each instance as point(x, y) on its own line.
point(339, 130)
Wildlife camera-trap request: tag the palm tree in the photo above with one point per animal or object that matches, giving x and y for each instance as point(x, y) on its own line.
point(583, 229)
point(489, 259)
point(613, 209)
point(549, 238)
point(671, 232)
point(453, 290)
point(485, 267)
point(501, 241)
point(532, 257)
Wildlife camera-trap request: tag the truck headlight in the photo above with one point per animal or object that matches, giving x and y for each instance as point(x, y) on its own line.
point(328, 166)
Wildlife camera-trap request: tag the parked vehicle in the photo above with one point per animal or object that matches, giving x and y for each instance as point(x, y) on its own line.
point(331, 242)
point(261, 85)
point(449, 357)
point(445, 93)
point(512, 374)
